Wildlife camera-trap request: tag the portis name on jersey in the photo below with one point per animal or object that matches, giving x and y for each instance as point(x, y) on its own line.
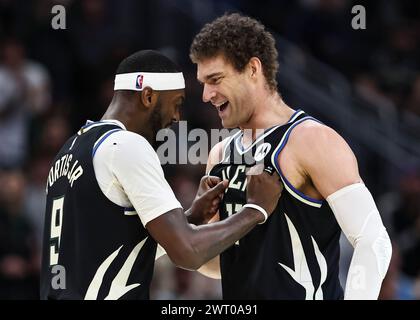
point(61, 168)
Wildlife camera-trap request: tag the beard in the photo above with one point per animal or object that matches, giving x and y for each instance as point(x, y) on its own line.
point(156, 124)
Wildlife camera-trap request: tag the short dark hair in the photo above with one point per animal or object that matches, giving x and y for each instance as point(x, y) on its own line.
point(238, 38)
point(147, 61)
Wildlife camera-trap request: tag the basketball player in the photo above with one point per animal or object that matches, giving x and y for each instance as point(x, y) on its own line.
point(295, 255)
point(107, 176)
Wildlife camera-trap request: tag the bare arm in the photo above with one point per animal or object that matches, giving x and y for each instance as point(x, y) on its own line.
point(326, 159)
point(211, 269)
point(191, 246)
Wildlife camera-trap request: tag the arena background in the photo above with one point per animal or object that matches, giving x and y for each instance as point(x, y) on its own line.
point(364, 83)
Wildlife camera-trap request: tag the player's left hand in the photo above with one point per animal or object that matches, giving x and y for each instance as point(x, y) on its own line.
point(206, 183)
point(206, 203)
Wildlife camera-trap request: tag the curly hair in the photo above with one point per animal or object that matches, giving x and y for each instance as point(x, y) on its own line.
point(238, 38)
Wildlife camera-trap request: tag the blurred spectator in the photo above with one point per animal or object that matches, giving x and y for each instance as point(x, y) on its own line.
point(19, 256)
point(93, 32)
point(406, 227)
point(54, 133)
point(390, 285)
point(24, 93)
point(48, 141)
point(367, 87)
point(413, 101)
point(35, 195)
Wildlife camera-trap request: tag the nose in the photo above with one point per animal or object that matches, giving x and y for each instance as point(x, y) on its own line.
point(208, 92)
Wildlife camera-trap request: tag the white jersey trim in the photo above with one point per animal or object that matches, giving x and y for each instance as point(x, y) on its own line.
point(129, 174)
point(293, 191)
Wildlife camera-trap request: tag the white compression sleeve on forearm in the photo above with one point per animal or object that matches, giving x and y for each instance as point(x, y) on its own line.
point(358, 217)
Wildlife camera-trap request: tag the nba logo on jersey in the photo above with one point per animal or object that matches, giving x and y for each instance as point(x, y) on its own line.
point(139, 81)
point(262, 151)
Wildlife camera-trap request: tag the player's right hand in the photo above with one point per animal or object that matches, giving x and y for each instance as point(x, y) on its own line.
point(263, 189)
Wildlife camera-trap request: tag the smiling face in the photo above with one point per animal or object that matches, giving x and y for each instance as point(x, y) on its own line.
point(228, 90)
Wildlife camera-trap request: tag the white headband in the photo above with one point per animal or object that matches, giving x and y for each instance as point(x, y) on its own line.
point(157, 81)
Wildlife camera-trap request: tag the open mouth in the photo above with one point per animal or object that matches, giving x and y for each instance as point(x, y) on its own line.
point(223, 106)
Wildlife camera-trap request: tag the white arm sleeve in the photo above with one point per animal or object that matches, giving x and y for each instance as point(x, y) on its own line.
point(129, 173)
point(358, 217)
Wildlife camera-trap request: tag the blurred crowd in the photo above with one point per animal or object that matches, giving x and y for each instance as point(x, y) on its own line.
point(52, 81)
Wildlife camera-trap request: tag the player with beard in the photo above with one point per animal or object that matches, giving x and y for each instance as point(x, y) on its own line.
point(108, 175)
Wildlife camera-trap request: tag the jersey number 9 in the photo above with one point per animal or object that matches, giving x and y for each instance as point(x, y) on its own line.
point(56, 224)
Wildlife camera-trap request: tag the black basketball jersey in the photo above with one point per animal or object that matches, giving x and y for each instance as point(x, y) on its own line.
point(104, 253)
point(295, 254)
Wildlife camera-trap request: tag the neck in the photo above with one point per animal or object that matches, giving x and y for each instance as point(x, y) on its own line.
point(129, 115)
point(270, 110)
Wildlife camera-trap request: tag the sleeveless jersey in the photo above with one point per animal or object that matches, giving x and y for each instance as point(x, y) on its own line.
point(295, 254)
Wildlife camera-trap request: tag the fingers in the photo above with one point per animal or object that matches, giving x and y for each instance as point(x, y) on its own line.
point(215, 205)
point(212, 181)
point(270, 170)
point(207, 181)
point(255, 170)
point(268, 179)
point(258, 169)
point(215, 202)
point(218, 189)
point(275, 179)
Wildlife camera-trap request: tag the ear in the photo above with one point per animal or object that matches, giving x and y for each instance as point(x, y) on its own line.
point(149, 97)
point(255, 67)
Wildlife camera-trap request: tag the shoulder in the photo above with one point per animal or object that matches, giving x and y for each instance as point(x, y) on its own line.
point(314, 138)
point(310, 131)
point(216, 152)
point(323, 155)
point(125, 146)
point(128, 141)
point(125, 136)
